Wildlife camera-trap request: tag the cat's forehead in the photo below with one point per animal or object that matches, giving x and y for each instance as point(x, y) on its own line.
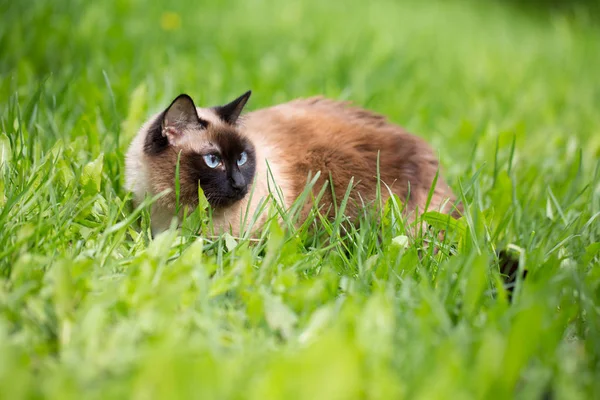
point(216, 138)
point(209, 115)
point(227, 139)
point(202, 146)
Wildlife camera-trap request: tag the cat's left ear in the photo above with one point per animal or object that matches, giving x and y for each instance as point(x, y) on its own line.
point(230, 112)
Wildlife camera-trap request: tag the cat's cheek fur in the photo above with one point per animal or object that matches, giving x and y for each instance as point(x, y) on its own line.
point(137, 180)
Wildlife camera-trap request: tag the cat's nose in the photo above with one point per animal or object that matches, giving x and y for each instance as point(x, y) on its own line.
point(237, 181)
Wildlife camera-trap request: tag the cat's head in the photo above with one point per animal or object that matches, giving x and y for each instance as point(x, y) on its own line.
point(211, 150)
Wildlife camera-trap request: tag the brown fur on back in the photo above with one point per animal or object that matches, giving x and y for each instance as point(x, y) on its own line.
point(344, 142)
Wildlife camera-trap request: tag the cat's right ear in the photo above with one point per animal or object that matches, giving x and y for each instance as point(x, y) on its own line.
point(180, 116)
point(172, 124)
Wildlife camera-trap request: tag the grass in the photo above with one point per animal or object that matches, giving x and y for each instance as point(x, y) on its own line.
point(91, 307)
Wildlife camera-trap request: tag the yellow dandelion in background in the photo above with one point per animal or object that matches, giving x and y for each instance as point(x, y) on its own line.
point(170, 21)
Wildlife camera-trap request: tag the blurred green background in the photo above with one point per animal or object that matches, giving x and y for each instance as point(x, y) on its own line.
point(507, 92)
point(430, 66)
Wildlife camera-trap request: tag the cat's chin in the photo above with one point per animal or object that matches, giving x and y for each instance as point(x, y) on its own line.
point(228, 201)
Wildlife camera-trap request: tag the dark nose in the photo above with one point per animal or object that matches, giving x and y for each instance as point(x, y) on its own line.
point(237, 181)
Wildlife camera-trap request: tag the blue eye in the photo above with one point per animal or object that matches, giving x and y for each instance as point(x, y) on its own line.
point(212, 160)
point(242, 159)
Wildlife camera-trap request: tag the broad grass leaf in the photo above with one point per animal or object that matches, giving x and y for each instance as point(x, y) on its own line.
point(202, 200)
point(275, 241)
point(161, 246)
point(501, 195)
point(91, 178)
point(401, 241)
point(285, 280)
point(135, 112)
point(445, 222)
point(2, 191)
point(476, 283)
point(329, 368)
point(16, 377)
point(591, 252)
point(230, 242)
point(254, 306)
point(523, 339)
point(376, 326)
point(197, 221)
point(224, 283)
point(193, 254)
point(28, 272)
point(279, 316)
point(5, 151)
point(488, 361)
point(318, 321)
point(409, 261)
point(64, 173)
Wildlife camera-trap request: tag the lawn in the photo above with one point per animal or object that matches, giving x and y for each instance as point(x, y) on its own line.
point(92, 307)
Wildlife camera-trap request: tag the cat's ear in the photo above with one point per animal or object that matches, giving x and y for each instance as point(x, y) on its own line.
point(230, 112)
point(180, 116)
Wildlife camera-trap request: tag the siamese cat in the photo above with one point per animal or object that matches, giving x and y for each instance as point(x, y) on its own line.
point(236, 160)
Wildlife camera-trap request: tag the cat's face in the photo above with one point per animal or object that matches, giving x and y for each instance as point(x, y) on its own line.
point(211, 151)
point(224, 168)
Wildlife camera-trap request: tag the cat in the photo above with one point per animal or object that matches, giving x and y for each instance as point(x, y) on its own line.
point(238, 159)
